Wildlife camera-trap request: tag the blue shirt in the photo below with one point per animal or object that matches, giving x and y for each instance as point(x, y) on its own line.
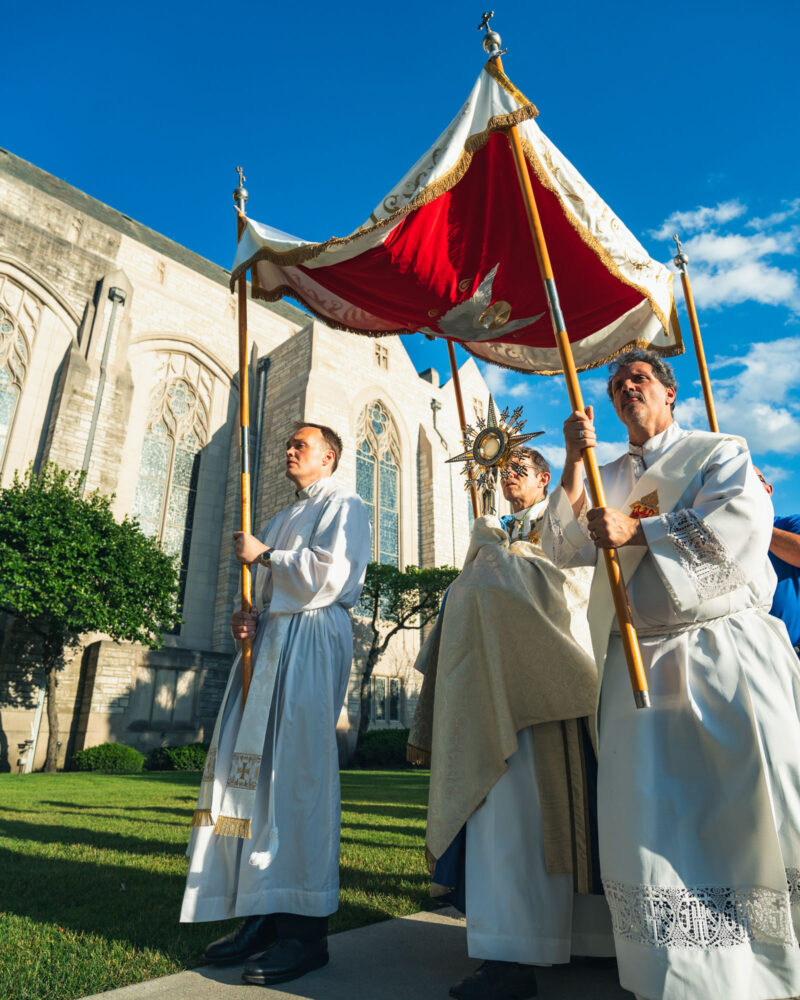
point(786, 602)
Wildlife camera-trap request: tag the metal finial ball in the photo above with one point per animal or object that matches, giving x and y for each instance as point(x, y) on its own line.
point(681, 258)
point(240, 195)
point(492, 41)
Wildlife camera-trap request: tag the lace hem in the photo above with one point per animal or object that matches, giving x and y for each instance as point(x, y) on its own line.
point(702, 916)
point(702, 555)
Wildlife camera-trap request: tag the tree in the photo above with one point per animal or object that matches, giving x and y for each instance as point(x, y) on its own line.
point(67, 567)
point(407, 598)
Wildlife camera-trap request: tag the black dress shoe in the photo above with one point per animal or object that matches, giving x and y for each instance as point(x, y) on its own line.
point(285, 960)
point(254, 935)
point(497, 981)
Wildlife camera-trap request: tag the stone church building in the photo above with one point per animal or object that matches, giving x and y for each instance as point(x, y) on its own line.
point(118, 355)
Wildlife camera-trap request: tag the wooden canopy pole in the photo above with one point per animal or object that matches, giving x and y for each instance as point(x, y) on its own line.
point(473, 493)
point(240, 199)
point(681, 260)
point(630, 641)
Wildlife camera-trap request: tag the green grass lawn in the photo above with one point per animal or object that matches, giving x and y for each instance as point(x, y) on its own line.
point(92, 870)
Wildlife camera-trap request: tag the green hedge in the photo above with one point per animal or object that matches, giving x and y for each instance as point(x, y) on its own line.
point(189, 757)
point(112, 758)
point(382, 748)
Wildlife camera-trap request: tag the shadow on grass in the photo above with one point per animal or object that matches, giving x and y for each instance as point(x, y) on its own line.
point(171, 810)
point(131, 905)
point(65, 836)
point(141, 907)
point(412, 811)
point(414, 827)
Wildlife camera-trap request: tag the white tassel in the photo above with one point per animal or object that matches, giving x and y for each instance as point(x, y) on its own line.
point(263, 859)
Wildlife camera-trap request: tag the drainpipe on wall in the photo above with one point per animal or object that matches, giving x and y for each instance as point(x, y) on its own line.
point(36, 725)
point(435, 407)
point(117, 296)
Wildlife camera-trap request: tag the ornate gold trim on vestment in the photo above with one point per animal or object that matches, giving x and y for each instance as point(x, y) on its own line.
point(229, 826)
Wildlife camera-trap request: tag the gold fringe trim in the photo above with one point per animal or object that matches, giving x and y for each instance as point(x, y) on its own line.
point(202, 817)
point(416, 755)
point(499, 76)
point(631, 345)
point(228, 826)
point(301, 255)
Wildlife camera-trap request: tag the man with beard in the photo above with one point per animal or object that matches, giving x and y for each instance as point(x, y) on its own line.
point(698, 796)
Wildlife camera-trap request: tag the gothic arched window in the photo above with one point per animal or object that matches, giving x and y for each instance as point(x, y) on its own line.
point(14, 355)
point(378, 480)
point(169, 468)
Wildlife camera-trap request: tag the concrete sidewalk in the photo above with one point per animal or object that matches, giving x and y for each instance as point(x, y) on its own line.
point(412, 958)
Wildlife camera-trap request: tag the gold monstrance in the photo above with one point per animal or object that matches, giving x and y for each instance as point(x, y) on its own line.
point(492, 447)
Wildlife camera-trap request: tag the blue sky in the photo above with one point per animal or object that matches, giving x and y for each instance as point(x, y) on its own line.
point(682, 117)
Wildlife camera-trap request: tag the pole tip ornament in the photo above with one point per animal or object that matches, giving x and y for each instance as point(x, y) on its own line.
point(681, 259)
point(240, 195)
point(491, 40)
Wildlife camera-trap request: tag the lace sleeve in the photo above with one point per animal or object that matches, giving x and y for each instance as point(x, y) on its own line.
point(702, 555)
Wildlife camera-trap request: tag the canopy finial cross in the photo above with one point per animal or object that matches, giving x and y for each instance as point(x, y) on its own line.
point(491, 40)
point(240, 194)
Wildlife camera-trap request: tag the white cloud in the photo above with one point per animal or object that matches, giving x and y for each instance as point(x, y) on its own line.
point(504, 384)
point(752, 281)
point(699, 218)
point(717, 249)
point(771, 371)
point(555, 455)
point(775, 474)
point(758, 401)
point(594, 388)
point(728, 268)
point(776, 218)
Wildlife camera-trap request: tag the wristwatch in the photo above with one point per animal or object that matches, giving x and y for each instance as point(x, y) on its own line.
point(265, 558)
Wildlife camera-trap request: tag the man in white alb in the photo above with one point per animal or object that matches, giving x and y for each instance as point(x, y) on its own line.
point(266, 839)
point(519, 915)
point(698, 796)
point(508, 683)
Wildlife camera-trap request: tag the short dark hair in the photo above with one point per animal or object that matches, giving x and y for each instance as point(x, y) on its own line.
point(662, 370)
point(537, 460)
point(332, 439)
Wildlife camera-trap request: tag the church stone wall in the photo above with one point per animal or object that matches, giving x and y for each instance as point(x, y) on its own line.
point(61, 252)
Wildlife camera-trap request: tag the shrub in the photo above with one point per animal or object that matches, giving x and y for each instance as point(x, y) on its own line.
point(382, 748)
point(111, 758)
point(189, 757)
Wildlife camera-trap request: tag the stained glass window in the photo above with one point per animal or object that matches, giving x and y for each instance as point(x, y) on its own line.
point(378, 481)
point(365, 479)
point(394, 699)
point(168, 471)
point(379, 698)
point(13, 367)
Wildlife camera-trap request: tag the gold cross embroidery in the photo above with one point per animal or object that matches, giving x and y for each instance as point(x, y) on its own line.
point(244, 770)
